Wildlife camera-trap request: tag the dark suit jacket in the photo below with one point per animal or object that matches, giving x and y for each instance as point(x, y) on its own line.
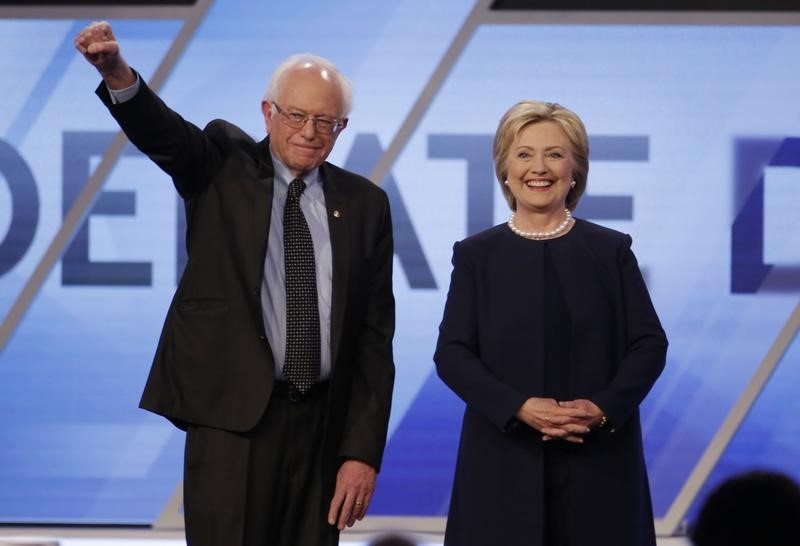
point(213, 365)
point(490, 352)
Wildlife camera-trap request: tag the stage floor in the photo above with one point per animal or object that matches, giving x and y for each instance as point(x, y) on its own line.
point(74, 536)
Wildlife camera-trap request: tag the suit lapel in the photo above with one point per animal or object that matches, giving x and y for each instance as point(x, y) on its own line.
point(262, 209)
point(339, 227)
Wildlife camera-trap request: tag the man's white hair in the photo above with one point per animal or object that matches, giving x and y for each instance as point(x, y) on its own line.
point(307, 60)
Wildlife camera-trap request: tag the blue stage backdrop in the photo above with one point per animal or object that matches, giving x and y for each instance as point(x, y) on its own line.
point(695, 133)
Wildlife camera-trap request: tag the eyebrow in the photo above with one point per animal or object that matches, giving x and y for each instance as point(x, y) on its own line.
point(554, 146)
point(296, 110)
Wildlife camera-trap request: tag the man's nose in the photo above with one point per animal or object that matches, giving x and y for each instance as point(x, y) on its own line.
point(309, 129)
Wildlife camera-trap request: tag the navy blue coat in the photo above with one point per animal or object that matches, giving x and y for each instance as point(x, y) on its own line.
point(488, 352)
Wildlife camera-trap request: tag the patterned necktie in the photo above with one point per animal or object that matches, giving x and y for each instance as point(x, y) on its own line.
point(301, 366)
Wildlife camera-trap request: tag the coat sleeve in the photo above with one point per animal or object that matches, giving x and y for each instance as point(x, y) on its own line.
point(181, 149)
point(645, 344)
point(457, 356)
point(370, 400)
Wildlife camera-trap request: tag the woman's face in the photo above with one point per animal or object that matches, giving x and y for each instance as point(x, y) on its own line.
point(540, 165)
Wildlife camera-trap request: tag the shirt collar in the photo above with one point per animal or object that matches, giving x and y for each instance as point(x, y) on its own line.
point(283, 176)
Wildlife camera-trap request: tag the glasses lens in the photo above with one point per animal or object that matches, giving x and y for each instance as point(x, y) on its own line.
point(296, 120)
point(324, 125)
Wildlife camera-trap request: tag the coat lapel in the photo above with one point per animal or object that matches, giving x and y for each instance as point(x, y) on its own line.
point(586, 281)
point(339, 226)
point(262, 209)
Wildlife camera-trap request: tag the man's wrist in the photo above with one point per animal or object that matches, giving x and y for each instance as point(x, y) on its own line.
point(125, 94)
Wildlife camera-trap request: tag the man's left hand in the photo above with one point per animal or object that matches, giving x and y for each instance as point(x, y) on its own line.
point(355, 483)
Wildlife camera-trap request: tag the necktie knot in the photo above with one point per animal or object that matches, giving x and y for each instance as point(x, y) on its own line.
point(296, 188)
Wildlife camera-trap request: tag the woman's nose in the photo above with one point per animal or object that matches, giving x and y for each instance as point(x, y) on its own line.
point(537, 164)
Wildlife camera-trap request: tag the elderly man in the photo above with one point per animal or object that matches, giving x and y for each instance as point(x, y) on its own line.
point(276, 352)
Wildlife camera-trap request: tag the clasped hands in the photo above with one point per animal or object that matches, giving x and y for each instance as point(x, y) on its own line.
point(567, 420)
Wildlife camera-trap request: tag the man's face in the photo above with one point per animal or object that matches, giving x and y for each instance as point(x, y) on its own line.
point(305, 91)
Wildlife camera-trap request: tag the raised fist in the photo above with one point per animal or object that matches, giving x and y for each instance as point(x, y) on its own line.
point(99, 46)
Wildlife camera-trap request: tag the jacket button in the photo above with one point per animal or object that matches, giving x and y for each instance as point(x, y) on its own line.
point(262, 337)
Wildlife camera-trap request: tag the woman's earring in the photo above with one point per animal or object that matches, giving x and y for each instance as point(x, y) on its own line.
point(572, 184)
point(505, 182)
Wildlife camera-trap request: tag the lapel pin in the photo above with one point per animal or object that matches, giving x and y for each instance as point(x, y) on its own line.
point(337, 214)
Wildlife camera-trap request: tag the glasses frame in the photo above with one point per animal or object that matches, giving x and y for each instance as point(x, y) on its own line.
point(296, 123)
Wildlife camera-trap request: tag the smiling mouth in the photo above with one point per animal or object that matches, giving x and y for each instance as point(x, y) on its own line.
point(539, 183)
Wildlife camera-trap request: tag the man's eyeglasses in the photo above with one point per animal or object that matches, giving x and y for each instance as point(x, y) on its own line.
point(297, 120)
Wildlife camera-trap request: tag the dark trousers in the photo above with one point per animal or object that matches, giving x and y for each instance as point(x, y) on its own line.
point(262, 488)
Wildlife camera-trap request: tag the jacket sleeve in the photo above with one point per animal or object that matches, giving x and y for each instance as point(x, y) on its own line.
point(645, 344)
point(367, 419)
point(457, 355)
point(182, 150)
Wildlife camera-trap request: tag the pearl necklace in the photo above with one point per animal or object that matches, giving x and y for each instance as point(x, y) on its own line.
point(539, 235)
